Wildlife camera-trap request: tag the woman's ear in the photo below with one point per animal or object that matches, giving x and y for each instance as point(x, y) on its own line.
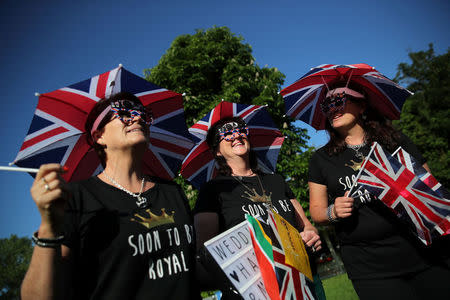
point(218, 152)
point(97, 136)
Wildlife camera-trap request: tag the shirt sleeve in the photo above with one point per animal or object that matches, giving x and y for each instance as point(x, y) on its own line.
point(71, 218)
point(185, 200)
point(208, 199)
point(288, 191)
point(314, 170)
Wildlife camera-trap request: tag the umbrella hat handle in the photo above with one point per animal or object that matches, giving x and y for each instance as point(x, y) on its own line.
point(17, 169)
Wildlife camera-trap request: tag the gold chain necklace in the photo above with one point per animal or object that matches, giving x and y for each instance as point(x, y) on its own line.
point(253, 195)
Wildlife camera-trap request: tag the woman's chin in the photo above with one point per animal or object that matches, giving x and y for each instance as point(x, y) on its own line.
point(140, 141)
point(240, 150)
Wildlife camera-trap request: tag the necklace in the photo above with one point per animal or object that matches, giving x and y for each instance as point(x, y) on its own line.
point(253, 195)
point(356, 148)
point(141, 201)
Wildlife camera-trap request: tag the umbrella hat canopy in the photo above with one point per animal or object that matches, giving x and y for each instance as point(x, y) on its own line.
point(199, 165)
point(57, 134)
point(303, 97)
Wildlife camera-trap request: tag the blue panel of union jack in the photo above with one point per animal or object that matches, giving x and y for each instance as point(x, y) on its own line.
point(57, 135)
point(406, 195)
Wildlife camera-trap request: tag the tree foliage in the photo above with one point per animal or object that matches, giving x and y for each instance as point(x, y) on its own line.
point(215, 64)
point(425, 116)
point(15, 255)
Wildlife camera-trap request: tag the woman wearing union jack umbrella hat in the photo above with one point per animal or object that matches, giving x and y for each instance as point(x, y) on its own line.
point(381, 258)
point(240, 189)
point(119, 235)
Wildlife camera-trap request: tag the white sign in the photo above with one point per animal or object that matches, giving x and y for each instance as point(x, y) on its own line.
point(233, 251)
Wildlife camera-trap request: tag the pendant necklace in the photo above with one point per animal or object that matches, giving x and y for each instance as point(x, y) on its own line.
point(253, 195)
point(141, 201)
point(356, 148)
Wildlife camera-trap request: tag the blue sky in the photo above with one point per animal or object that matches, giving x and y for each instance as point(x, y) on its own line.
point(46, 45)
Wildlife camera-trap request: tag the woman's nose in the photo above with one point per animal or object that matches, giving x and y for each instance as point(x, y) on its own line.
point(135, 118)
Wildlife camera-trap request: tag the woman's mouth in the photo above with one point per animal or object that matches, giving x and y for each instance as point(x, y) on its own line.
point(238, 143)
point(334, 116)
point(135, 130)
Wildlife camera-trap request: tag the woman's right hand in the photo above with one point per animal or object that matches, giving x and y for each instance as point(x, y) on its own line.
point(49, 192)
point(343, 206)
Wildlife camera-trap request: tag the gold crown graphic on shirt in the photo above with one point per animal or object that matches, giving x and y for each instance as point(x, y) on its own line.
point(154, 220)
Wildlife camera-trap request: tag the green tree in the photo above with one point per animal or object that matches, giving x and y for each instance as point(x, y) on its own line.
point(215, 64)
point(425, 116)
point(15, 255)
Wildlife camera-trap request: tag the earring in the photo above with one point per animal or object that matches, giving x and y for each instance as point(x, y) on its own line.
point(363, 116)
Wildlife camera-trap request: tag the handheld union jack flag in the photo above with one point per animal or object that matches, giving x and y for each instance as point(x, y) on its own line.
point(303, 97)
point(405, 194)
point(409, 162)
point(57, 134)
point(292, 283)
point(265, 139)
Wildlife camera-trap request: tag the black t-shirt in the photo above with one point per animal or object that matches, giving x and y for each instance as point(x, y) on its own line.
point(121, 252)
point(374, 243)
point(232, 199)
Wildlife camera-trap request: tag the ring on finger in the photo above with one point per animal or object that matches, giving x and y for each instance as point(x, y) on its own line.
point(313, 249)
point(45, 181)
point(47, 187)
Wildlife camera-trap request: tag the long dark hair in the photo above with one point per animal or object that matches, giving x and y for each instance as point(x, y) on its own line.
point(376, 127)
point(97, 110)
point(213, 142)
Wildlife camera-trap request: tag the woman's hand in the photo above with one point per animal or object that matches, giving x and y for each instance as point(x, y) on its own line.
point(49, 192)
point(343, 206)
point(311, 238)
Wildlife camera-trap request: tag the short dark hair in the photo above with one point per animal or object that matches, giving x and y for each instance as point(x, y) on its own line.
point(96, 111)
point(213, 142)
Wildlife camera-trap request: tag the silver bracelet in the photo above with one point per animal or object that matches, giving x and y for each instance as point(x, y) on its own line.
point(329, 214)
point(47, 243)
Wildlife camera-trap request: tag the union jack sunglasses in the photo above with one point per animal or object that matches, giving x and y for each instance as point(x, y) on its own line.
point(126, 111)
point(231, 131)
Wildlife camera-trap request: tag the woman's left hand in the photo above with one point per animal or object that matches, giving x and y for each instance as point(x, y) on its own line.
point(311, 239)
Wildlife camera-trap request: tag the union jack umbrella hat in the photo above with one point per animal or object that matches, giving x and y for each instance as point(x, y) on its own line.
point(57, 133)
point(199, 165)
point(303, 97)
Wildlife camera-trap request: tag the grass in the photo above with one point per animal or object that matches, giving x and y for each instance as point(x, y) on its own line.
point(339, 288)
point(336, 288)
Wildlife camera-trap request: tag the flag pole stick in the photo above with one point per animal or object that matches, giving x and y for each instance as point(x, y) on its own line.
point(362, 168)
point(17, 169)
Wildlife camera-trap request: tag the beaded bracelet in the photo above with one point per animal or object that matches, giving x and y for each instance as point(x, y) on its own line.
point(330, 217)
point(47, 243)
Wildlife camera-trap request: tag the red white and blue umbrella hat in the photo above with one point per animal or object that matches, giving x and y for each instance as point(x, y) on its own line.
point(57, 133)
point(303, 98)
point(199, 165)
